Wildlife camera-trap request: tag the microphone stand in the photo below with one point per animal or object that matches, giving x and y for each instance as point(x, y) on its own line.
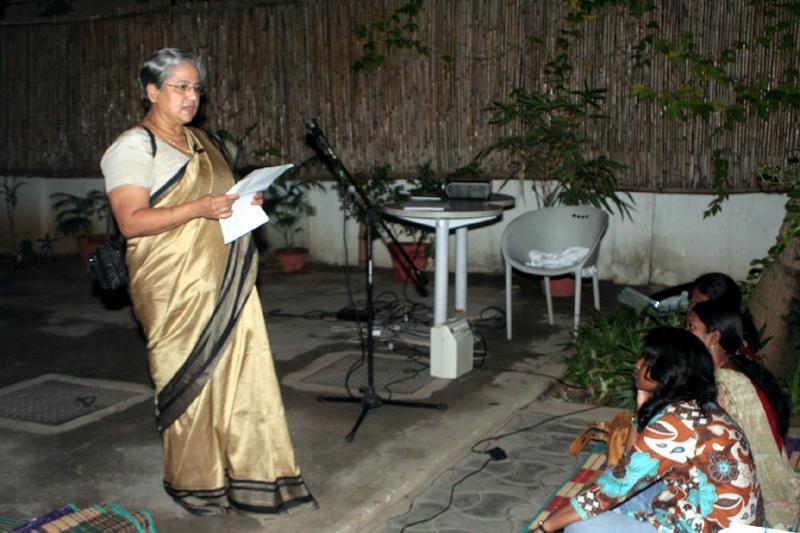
point(369, 399)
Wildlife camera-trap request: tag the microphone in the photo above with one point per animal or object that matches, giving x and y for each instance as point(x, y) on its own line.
point(320, 140)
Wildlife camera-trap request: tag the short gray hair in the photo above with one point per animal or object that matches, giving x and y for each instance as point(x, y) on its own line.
point(158, 67)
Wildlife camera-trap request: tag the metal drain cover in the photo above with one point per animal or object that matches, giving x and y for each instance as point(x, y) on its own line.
point(53, 403)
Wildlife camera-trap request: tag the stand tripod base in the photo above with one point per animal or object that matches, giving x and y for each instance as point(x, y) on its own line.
point(371, 400)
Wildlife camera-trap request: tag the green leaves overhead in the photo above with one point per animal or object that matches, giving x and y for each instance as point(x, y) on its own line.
point(398, 31)
point(551, 147)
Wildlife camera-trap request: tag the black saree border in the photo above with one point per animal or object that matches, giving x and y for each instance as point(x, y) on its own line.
point(187, 383)
point(284, 495)
point(156, 196)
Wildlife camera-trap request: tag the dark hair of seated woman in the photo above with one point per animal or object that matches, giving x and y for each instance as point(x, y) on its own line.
point(722, 288)
point(681, 365)
point(717, 315)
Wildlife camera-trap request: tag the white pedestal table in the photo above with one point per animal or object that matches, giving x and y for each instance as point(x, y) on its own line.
point(446, 215)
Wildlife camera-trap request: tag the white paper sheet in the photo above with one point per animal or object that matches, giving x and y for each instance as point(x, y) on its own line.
point(246, 216)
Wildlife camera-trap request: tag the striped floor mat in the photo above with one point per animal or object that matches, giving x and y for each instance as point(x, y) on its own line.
point(101, 518)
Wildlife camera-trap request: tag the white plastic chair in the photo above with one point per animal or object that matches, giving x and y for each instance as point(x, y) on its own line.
point(552, 230)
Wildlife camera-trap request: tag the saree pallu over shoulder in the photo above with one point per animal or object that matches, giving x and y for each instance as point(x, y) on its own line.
point(188, 287)
point(780, 484)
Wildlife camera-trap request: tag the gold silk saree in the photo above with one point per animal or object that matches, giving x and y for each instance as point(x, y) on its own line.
point(218, 404)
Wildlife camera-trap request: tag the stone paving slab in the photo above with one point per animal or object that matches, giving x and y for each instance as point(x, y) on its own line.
point(502, 495)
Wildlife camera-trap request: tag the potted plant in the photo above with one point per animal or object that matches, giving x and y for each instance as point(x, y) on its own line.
point(289, 204)
point(550, 150)
point(9, 189)
point(76, 217)
point(380, 189)
point(417, 243)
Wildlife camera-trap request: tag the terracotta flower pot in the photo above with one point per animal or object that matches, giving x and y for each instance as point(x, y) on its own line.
point(292, 260)
point(88, 244)
point(563, 287)
point(416, 251)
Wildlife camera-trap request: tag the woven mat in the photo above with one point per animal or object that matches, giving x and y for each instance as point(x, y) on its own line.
point(593, 466)
point(101, 518)
point(585, 473)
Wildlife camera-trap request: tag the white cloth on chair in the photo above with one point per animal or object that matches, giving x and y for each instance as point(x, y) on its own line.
point(563, 259)
point(575, 230)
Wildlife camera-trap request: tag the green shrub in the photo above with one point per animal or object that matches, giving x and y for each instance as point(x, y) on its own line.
point(605, 351)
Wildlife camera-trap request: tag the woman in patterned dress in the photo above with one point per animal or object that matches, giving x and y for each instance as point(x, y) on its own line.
point(753, 397)
point(687, 465)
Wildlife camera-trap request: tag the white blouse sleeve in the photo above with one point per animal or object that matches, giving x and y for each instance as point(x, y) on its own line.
point(129, 161)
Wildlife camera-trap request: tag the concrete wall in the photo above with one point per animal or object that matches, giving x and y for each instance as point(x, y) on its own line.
point(667, 242)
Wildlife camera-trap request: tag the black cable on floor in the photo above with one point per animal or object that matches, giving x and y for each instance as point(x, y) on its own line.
point(495, 454)
point(349, 286)
point(450, 501)
point(534, 426)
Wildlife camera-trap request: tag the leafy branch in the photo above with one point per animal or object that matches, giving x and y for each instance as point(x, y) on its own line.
point(752, 95)
point(551, 148)
point(784, 179)
point(398, 31)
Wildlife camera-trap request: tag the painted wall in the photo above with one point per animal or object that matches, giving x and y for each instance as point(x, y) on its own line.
point(667, 242)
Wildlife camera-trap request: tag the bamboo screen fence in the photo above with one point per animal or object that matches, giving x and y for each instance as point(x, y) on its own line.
point(68, 86)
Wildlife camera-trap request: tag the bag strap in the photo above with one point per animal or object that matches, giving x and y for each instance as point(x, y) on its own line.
point(153, 146)
point(112, 231)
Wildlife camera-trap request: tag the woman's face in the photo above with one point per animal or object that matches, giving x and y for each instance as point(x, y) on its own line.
point(643, 381)
point(695, 297)
point(696, 326)
point(178, 98)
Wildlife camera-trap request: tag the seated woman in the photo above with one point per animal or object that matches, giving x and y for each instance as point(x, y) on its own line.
point(714, 286)
point(752, 396)
point(687, 466)
point(722, 288)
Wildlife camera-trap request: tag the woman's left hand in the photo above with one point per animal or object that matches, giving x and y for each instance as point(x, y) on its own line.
point(258, 199)
point(641, 397)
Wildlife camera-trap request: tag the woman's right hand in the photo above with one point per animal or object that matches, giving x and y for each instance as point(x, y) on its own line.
point(216, 206)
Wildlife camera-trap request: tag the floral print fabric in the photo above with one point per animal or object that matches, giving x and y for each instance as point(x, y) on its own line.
point(704, 461)
point(780, 484)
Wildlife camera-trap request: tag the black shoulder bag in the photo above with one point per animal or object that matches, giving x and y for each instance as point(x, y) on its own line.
point(107, 263)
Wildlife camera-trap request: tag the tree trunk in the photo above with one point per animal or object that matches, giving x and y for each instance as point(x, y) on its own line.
point(771, 303)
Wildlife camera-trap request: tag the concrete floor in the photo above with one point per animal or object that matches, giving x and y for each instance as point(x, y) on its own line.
point(51, 321)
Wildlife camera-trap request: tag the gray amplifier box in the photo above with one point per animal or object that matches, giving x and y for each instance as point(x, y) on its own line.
point(468, 190)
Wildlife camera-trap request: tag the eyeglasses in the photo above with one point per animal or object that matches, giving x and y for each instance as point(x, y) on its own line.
point(184, 88)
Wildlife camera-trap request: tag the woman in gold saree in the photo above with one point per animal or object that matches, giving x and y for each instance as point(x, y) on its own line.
point(218, 405)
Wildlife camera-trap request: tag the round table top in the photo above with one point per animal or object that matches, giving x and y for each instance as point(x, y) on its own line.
point(443, 208)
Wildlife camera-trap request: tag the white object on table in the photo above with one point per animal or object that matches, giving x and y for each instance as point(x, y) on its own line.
point(245, 216)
